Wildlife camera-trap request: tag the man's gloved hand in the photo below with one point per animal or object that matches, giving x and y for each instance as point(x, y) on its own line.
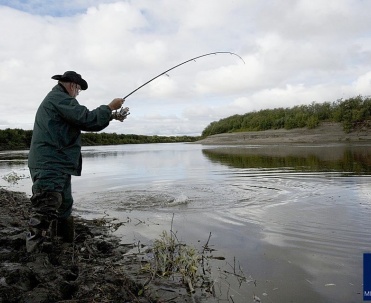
point(120, 115)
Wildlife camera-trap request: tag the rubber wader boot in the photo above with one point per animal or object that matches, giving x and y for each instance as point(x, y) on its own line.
point(44, 207)
point(65, 229)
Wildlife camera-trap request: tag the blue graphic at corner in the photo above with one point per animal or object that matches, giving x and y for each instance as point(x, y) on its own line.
point(367, 277)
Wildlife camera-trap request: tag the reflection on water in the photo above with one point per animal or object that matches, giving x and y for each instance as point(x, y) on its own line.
point(337, 158)
point(296, 218)
point(9, 158)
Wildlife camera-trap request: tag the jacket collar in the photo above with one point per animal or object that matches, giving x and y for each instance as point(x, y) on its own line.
point(63, 88)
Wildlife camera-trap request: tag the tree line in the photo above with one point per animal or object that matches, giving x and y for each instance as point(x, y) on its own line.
point(12, 139)
point(114, 139)
point(350, 112)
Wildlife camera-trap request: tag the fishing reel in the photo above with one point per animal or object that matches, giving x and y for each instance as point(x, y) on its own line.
point(121, 115)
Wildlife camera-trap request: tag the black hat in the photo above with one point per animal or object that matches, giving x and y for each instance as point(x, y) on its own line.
point(72, 76)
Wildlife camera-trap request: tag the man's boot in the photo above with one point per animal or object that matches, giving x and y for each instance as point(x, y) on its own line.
point(65, 229)
point(45, 205)
point(38, 229)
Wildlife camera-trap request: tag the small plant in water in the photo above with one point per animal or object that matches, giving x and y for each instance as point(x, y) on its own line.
point(174, 257)
point(180, 262)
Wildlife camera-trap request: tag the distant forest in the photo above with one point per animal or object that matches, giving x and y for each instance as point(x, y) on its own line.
point(351, 113)
point(11, 139)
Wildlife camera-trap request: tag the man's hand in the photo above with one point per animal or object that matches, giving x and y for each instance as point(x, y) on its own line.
point(116, 103)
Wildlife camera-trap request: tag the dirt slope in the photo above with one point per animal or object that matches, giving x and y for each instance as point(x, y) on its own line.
point(325, 133)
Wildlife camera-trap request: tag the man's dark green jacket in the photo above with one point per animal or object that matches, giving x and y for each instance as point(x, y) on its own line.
point(56, 138)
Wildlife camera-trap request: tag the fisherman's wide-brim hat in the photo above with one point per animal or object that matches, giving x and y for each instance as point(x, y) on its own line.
point(71, 76)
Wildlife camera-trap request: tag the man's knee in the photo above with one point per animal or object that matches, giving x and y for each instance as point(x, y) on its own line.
point(46, 203)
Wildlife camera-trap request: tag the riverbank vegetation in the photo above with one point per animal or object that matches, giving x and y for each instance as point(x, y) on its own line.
point(351, 113)
point(11, 139)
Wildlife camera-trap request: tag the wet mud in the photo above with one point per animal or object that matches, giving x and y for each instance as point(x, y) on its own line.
point(94, 268)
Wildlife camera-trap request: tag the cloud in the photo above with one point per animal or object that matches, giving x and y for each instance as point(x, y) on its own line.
point(363, 84)
point(296, 52)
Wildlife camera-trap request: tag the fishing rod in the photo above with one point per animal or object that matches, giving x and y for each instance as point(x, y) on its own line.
point(193, 59)
point(124, 112)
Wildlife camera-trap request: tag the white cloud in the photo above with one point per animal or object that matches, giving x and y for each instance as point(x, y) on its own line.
point(296, 52)
point(362, 85)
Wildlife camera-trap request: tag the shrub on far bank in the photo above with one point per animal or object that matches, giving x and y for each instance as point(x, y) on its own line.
point(350, 113)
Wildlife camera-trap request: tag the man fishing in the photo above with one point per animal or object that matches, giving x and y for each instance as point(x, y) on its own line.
point(55, 152)
point(55, 155)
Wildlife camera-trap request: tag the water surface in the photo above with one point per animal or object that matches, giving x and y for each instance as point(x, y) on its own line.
point(295, 219)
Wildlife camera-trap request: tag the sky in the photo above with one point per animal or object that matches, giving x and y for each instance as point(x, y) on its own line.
point(294, 52)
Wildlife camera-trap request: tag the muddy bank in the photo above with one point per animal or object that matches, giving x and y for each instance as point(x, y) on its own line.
point(325, 133)
point(95, 268)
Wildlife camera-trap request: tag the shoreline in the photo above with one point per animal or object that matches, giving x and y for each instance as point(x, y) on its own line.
point(323, 134)
point(96, 267)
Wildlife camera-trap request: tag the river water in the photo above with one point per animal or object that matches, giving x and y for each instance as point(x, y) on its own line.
point(294, 220)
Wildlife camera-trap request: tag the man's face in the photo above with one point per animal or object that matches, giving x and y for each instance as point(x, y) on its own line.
point(74, 89)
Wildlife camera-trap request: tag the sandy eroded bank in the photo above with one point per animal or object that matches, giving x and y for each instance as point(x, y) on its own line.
point(325, 133)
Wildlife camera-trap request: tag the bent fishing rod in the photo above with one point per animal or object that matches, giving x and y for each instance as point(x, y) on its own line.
point(124, 112)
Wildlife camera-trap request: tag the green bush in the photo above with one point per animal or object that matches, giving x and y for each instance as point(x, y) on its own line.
point(348, 112)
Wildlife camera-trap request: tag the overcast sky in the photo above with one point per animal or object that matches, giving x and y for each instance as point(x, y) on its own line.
point(295, 52)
